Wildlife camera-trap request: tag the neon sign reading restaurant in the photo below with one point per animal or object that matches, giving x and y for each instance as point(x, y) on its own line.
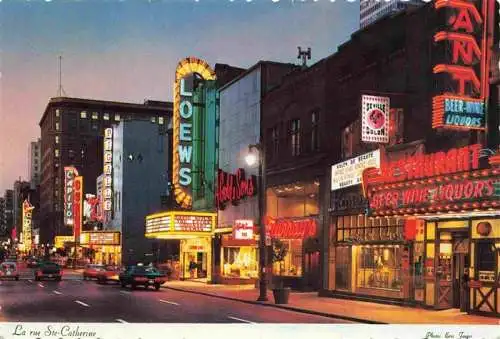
point(187, 70)
point(468, 35)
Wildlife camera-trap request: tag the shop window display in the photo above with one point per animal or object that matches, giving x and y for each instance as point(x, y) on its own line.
point(240, 262)
point(292, 265)
point(379, 267)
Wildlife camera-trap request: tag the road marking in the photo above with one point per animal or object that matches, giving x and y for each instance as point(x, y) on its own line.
point(243, 320)
point(30, 281)
point(168, 302)
point(41, 285)
point(57, 292)
point(122, 321)
point(125, 292)
point(82, 303)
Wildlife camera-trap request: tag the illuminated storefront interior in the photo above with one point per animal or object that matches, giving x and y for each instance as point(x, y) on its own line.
point(240, 254)
point(292, 211)
point(194, 230)
point(102, 247)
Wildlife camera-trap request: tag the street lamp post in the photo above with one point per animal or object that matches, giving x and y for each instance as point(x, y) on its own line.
point(251, 159)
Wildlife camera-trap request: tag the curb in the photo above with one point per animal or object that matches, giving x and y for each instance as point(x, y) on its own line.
point(289, 308)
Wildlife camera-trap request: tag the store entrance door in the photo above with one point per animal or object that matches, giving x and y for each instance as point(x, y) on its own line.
point(195, 264)
point(460, 270)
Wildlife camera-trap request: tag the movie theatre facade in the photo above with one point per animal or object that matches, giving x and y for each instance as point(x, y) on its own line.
point(447, 207)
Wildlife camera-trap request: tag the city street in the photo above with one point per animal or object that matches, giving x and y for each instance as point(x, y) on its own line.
point(75, 300)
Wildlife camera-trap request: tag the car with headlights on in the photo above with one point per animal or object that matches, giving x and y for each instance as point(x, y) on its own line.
point(142, 276)
point(8, 270)
point(49, 270)
point(109, 273)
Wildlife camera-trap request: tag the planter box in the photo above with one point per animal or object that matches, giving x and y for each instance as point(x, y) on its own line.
point(281, 295)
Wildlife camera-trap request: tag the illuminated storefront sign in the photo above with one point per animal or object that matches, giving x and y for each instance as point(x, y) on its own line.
point(350, 172)
point(27, 224)
point(108, 171)
point(375, 119)
point(243, 229)
point(187, 72)
point(290, 228)
point(100, 238)
point(69, 176)
point(77, 206)
point(438, 182)
point(179, 224)
point(91, 208)
point(464, 75)
point(61, 239)
point(234, 187)
point(425, 165)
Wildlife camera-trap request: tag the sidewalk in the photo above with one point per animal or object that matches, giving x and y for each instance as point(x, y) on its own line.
point(353, 310)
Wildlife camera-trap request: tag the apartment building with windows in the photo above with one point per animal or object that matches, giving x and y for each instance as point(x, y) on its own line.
point(373, 10)
point(72, 134)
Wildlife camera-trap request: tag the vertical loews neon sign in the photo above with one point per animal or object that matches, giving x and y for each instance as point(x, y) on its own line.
point(187, 71)
point(468, 36)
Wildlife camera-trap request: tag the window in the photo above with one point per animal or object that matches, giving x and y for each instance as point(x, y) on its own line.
point(83, 115)
point(56, 152)
point(486, 256)
point(396, 126)
point(275, 137)
point(36, 168)
point(292, 265)
point(95, 115)
point(58, 113)
point(240, 262)
point(379, 268)
point(295, 137)
point(57, 126)
point(117, 117)
point(315, 131)
point(161, 120)
point(106, 116)
point(153, 119)
point(57, 139)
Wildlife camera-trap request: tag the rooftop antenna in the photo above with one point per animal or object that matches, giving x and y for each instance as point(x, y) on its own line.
point(304, 55)
point(60, 91)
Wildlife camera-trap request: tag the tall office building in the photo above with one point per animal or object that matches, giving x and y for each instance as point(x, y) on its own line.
point(34, 163)
point(3, 223)
point(373, 10)
point(72, 134)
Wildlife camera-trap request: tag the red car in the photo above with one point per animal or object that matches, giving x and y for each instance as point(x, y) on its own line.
point(91, 271)
point(109, 273)
point(8, 270)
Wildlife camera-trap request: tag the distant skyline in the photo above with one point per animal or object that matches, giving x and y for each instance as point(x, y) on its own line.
point(128, 50)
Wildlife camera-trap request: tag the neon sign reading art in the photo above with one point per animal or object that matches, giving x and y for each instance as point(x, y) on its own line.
point(469, 39)
point(187, 70)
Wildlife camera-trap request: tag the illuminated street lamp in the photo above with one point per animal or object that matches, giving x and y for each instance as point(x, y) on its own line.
point(256, 154)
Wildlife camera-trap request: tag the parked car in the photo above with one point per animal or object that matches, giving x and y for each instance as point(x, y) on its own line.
point(142, 276)
point(109, 273)
point(49, 270)
point(8, 270)
point(91, 270)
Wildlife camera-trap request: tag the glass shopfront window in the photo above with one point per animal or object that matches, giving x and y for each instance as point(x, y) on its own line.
point(240, 262)
point(292, 265)
point(379, 267)
point(343, 268)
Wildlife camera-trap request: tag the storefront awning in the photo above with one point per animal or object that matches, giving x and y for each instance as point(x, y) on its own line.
point(180, 225)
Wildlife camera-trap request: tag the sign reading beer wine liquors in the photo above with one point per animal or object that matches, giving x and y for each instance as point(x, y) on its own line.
point(69, 180)
point(188, 71)
point(375, 119)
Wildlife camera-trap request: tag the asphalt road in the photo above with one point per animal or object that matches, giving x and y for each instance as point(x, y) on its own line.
point(75, 300)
